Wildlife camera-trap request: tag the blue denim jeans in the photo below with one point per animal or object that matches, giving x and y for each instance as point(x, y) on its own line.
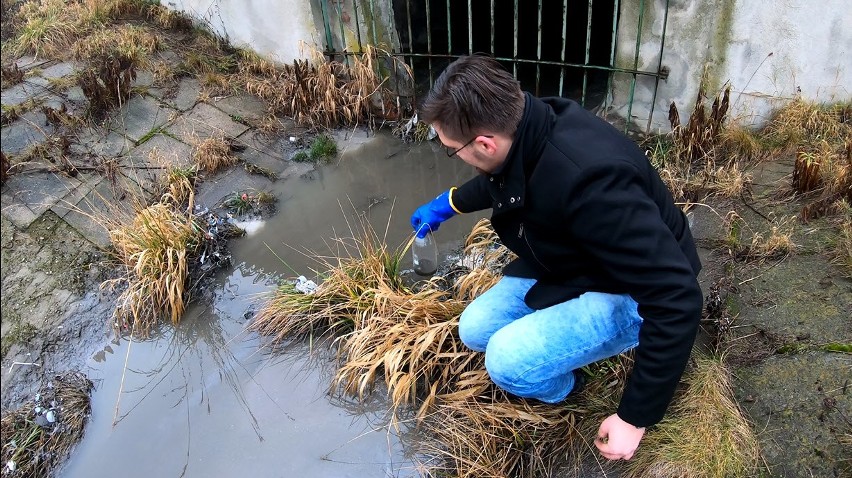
point(532, 353)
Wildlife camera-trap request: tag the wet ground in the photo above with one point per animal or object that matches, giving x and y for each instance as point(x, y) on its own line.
point(208, 399)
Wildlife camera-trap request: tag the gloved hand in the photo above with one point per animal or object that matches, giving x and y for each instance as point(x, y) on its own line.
point(429, 216)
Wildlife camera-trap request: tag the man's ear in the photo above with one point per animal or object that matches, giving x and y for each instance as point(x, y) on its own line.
point(488, 143)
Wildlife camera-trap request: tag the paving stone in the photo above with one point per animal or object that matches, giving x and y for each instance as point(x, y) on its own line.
point(29, 62)
point(248, 107)
point(38, 190)
point(61, 70)
point(75, 95)
point(205, 121)
point(186, 94)
point(104, 204)
point(218, 187)
point(146, 169)
point(20, 93)
point(102, 143)
point(139, 117)
point(27, 131)
point(17, 213)
point(144, 78)
point(265, 151)
point(88, 182)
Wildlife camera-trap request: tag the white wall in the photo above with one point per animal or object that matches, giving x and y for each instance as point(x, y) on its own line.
point(276, 29)
point(810, 44)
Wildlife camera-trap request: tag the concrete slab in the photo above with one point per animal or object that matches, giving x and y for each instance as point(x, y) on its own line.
point(242, 108)
point(147, 163)
point(217, 188)
point(265, 151)
point(89, 181)
point(144, 78)
point(28, 62)
point(16, 212)
point(140, 116)
point(61, 70)
point(205, 121)
point(75, 95)
point(185, 95)
point(102, 143)
point(27, 131)
point(39, 191)
point(100, 209)
point(20, 93)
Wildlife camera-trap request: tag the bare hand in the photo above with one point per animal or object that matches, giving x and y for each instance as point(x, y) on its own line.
point(618, 439)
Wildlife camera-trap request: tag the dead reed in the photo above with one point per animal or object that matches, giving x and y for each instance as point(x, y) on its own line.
point(154, 248)
point(321, 93)
point(42, 431)
point(212, 154)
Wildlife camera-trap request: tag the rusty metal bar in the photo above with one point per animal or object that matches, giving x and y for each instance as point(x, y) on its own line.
point(588, 50)
point(635, 65)
point(659, 67)
point(564, 46)
point(538, 53)
point(429, 40)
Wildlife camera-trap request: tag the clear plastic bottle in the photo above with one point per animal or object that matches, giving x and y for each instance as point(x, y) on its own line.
point(424, 254)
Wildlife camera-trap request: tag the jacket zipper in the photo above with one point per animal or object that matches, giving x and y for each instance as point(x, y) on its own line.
point(521, 235)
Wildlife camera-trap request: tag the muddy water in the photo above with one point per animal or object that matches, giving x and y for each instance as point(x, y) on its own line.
point(208, 399)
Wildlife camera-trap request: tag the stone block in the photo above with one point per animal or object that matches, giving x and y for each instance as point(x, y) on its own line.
point(147, 163)
point(205, 121)
point(21, 93)
point(185, 95)
point(220, 186)
point(101, 143)
point(271, 152)
point(139, 116)
point(144, 78)
point(60, 70)
point(16, 212)
point(28, 62)
point(88, 182)
point(39, 191)
point(248, 108)
point(27, 131)
point(103, 207)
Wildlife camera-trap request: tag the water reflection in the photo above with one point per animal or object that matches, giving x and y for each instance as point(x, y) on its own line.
point(209, 399)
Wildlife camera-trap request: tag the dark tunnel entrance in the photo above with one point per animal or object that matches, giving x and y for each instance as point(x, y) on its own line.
point(527, 39)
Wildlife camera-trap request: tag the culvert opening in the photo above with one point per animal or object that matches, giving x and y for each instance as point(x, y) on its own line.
point(526, 38)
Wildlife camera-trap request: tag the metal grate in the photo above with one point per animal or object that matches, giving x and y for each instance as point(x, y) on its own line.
point(561, 49)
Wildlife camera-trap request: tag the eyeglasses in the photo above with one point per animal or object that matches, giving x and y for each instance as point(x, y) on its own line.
point(452, 152)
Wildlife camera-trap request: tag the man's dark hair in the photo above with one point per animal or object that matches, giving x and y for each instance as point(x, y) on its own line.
point(474, 94)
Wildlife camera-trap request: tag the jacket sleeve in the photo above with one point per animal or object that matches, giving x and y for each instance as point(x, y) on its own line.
point(472, 196)
point(618, 224)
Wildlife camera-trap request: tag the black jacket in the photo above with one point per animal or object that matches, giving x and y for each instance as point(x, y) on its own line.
point(584, 210)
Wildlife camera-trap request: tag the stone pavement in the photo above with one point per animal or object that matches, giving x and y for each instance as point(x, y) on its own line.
point(53, 246)
point(124, 156)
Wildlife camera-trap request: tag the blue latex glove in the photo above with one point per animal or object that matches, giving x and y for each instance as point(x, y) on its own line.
point(429, 216)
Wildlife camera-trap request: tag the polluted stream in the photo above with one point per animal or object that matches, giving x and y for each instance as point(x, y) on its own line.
point(208, 398)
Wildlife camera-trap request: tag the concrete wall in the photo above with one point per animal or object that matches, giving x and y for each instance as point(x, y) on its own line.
point(277, 29)
point(768, 51)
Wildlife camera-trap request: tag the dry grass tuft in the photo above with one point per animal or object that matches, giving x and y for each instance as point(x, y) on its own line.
point(155, 247)
point(212, 154)
point(132, 43)
point(31, 443)
point(51, 27)
point(842, 254)
point(322, 93)
point(705, 434)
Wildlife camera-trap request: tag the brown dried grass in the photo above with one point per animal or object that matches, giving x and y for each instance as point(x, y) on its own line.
point(154, 247)
point(320, 93)
point(36, 450)
point(212, 154)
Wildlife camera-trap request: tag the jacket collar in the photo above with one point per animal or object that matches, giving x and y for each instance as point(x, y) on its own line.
point(530, 138)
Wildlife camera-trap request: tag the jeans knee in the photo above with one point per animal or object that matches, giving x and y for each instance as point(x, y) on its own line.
point(471, 332)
